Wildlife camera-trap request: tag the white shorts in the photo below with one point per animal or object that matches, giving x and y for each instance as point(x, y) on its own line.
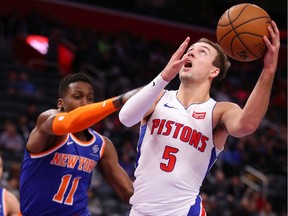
point(196, 210)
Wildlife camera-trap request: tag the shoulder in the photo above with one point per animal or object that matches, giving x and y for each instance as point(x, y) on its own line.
point(224, 106)
point(109, 153)
point(106, 139)
point(12, 203)
point(44, 121)
point(46, 114)
point(169, 92)
point(220, 109)
point(166, 94)
point(108, 143)
point(41, 136)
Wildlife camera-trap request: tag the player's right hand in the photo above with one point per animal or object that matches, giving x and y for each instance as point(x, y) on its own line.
point(176, 62)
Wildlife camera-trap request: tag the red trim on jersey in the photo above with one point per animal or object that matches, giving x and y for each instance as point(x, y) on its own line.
point(202, 211)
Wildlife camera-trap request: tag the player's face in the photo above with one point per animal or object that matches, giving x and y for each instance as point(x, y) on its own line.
point(79, 94)
point(199, 65)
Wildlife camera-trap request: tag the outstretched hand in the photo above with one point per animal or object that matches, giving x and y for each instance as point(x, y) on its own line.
point(175, 63)
point(271, 56)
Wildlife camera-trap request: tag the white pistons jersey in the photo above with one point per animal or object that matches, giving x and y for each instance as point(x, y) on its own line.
point(175, 151)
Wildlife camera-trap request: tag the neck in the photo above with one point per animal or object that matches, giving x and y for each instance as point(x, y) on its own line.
point(193, 93)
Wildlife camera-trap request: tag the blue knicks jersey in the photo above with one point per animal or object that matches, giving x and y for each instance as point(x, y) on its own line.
point(56, 182)
point(2, 202)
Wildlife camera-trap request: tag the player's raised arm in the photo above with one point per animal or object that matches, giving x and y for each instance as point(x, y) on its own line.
point(241, 122)
point(142, 103)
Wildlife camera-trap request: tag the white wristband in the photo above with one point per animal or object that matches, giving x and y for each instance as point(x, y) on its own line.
point(135, 108)
point(159, 82)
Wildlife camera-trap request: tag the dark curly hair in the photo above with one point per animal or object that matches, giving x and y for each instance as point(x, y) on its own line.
point(71, 78)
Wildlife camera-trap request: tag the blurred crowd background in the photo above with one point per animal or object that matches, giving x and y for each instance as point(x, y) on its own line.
point(38, 46)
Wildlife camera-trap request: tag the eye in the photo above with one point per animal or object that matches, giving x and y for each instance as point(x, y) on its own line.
point(91, 99)
point(77, 97)
point(202, 52)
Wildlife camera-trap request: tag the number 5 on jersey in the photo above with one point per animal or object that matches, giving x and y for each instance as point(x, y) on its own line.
point(169, 155)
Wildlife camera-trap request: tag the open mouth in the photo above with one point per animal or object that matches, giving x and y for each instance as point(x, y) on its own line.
point(188, 64)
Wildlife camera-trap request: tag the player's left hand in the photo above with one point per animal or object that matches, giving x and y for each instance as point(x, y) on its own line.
point(273, 46)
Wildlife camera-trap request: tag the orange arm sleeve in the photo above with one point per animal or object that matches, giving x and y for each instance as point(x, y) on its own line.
point(82, 117)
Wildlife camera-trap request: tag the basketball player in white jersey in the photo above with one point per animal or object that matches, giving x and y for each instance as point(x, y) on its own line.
point(182, 132)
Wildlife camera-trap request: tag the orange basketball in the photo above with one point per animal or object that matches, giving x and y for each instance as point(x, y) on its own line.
point(240, 32)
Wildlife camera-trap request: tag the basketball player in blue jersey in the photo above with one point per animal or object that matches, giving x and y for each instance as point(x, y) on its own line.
point(62, 152)
point(182, 132)
point(9, 203)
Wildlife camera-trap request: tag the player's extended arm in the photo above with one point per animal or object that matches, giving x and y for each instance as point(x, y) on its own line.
point(82, 117)
point(114, 174)
point(241, 122)
point(139, 105)
point(85, 116)
point(53, 122)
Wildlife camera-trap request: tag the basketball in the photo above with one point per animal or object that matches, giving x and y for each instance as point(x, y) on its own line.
point(240, 32)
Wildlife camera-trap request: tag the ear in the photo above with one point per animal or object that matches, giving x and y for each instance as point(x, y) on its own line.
point(60, 104)
point(214, 72)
